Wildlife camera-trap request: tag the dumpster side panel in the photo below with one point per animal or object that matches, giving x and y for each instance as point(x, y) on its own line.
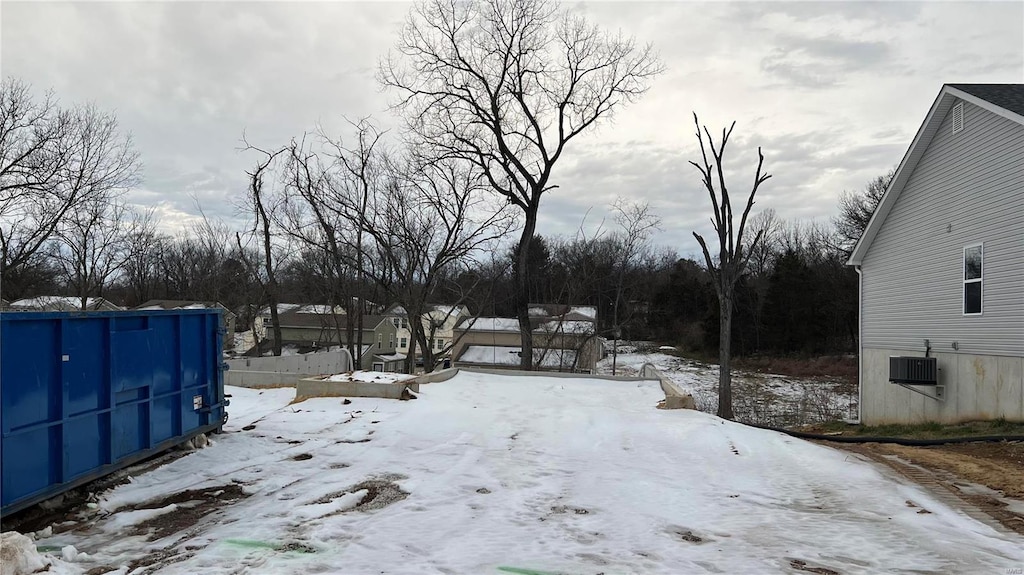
point(85, 394)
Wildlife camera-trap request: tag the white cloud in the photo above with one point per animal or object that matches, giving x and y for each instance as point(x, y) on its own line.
point(833, 92)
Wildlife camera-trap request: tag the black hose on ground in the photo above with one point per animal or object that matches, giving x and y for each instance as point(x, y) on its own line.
point(894, 440)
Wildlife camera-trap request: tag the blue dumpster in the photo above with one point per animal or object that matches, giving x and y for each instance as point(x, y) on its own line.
point(87, 393)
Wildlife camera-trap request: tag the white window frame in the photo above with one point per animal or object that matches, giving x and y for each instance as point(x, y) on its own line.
point(403, 343)
point(380, 340)
point(979, 280)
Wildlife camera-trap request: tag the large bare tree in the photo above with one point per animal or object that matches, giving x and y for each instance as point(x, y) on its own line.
point(53, 160)
point(403, 220)
point(93, 245)
point(733, 255)
point(506, 85)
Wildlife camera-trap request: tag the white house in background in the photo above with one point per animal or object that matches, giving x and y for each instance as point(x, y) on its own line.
point(63, 303)
point(941, 266)
point(439, 320)
point(564, 339)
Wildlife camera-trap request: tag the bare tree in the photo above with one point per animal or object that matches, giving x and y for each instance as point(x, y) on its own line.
point(142, 258)
point(262, 226)
point(762, 255)
point(733, 255)
point(325, 198)
point(92, 245)
point(856, 209)
point(506, 86)
point(636, 222)
point(52, 161)
point(424, 228)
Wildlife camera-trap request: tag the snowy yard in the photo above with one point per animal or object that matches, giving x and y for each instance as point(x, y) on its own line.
point(492, 474)
point(764, 399)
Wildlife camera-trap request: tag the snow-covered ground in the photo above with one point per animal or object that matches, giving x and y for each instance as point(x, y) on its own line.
point(764, 399)
point(371, 376)
point(490, 474)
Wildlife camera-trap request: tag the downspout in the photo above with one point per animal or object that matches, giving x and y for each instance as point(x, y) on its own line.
point(860, 343)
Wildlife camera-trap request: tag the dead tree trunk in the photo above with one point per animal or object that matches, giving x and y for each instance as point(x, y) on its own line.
point(732, 256)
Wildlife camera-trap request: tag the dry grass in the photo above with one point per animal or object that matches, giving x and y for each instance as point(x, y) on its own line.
point(835, 366)
point(926, 430)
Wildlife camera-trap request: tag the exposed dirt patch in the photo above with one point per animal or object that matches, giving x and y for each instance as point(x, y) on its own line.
point(66, 511)
point(297, 547)
point(689, 536)
point(302, 457)
point(365, 440)
point(157, 560)
point(249, 428)
point(483, 491)
point(559, 509)
point(801, 565)
point(998, 466)
point(381, 491)
point(193, 505)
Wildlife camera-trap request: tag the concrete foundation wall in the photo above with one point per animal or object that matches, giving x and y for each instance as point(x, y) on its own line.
point(285, 370)
point(977, 387)
point(307, 388)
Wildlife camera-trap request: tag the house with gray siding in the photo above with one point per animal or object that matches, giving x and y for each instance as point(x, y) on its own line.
point(941, 265)
point(322, 331)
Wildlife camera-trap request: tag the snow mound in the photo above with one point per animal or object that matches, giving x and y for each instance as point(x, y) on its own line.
point(18, 555)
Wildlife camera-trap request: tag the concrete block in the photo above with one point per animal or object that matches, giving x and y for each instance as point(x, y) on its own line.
point(316, 387)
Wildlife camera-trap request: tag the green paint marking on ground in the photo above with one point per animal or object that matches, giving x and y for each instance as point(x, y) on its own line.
point(251, 543)
point(48, 548)
point(523, 571)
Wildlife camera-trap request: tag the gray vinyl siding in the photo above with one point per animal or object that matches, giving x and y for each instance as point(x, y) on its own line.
point(968, 188)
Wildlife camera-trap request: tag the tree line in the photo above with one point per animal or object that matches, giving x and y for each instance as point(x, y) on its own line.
point(426, 215)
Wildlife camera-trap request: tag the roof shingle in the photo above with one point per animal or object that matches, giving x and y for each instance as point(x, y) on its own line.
point(1007, 96)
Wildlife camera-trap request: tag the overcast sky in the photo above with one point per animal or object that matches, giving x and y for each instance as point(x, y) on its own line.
point(833, 92)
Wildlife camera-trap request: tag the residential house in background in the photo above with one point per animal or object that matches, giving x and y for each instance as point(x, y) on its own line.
point(438, 323)
point(228, 317)
point(262, 320)
point(564, 339)
point(941, 266)
point(314, 331)
point(63, 303)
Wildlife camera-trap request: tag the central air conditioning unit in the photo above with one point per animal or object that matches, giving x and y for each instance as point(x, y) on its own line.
point(913, 370)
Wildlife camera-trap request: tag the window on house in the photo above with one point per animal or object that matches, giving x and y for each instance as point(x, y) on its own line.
point(395, 321)
point(973, 274)
point(391, 340)
point(380, 340)
point(440, 344)
point(403, 343)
